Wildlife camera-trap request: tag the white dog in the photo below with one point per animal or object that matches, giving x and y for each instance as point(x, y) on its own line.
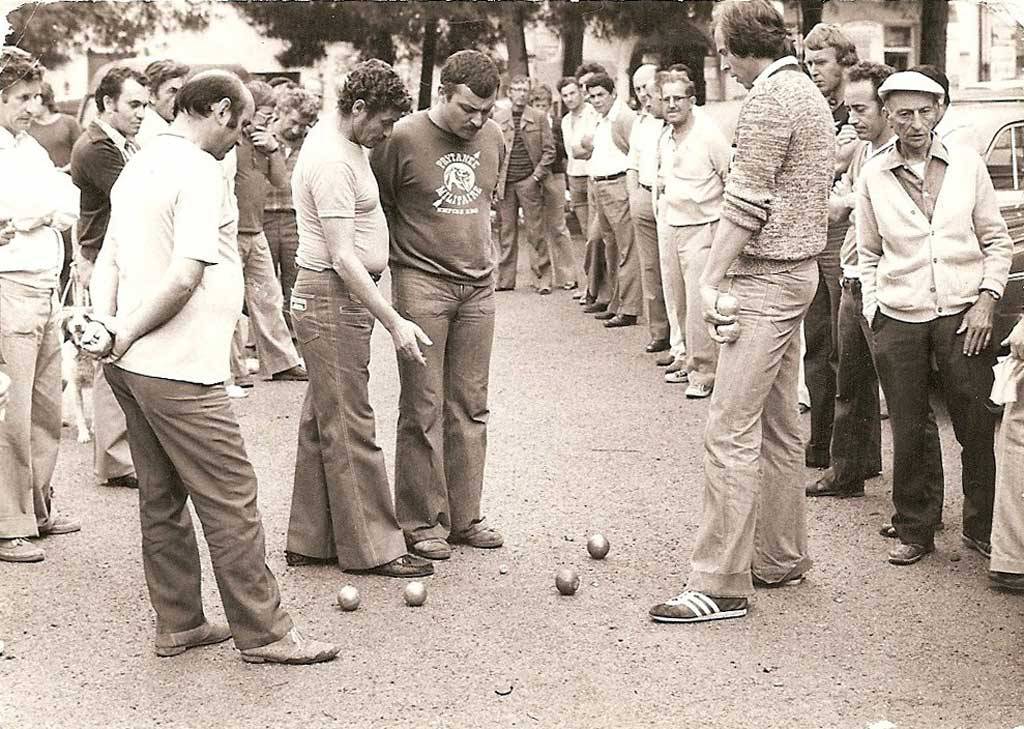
point(77, 371)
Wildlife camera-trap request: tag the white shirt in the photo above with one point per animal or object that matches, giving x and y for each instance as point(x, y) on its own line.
point(607, 159)
point(574, 128)
point(691, 173)
point(643, 148)
point(170, 202)
point(40, 201)
point(775, 66)
point(153, 125)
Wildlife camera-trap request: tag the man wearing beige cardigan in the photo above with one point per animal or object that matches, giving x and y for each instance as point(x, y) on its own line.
point(934, 257)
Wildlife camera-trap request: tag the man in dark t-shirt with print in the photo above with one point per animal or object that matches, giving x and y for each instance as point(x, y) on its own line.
point(437, 174)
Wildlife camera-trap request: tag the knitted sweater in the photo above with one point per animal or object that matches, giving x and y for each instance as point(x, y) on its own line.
point(781, 173)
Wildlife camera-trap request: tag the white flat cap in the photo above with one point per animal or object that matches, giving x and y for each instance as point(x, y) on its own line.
point(910, 81)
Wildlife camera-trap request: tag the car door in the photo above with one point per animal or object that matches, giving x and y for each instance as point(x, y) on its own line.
point(1005, 161)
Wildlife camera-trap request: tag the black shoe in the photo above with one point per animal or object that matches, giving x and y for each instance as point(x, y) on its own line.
point(665, 361)
point(980, 546)
point(124, 482)
point(294, 559)
point(605, 316)
point(594, 308)
point(408, 565)
point(828, 486)
point(292, 374)
point(620, 320)
point(889, 531)
point(1007, 580)
point(657, 345)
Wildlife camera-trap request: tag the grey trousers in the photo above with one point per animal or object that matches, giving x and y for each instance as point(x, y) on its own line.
point(111, 454)
point(621, 260)
point(753, 517)
point(645, 235)
point(186, 443)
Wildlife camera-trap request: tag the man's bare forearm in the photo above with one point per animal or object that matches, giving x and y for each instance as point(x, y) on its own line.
point(729, 242)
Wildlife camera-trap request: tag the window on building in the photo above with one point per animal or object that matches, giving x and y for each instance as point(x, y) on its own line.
point(1006, 159)
point(899, 46)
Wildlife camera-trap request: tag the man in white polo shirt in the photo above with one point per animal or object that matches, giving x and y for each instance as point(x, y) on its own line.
point(168, 288)
point(607, 167)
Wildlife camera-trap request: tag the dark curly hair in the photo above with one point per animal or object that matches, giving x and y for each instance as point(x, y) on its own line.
point(377, 84)
point(590, 68)
point(113, 82)
point(752, 29)
point(830, 35)
point(15, 66)
point(876, 73)
point(472, 68)
point(297, 99)
point(603, 80)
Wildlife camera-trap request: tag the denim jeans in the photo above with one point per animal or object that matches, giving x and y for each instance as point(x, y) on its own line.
point(442, 416)
point(753, 514)
point(282, 233)
point(30, 433)
point(341, 501)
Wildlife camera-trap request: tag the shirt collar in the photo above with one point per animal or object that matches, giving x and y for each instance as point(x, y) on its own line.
point(115, 136)
point(894, 158)
point(8, 140)
point(773, 67)
point(883, 147)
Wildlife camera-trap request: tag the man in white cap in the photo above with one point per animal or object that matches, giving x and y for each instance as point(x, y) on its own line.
point(934, 254)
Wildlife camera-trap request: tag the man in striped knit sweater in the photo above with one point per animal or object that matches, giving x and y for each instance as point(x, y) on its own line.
point(772, 226)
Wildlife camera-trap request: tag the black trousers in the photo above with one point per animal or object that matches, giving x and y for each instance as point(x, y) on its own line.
point(821, 358)
point(904, 353)
point(857, 429)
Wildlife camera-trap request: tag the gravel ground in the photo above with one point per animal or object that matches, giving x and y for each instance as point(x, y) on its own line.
point(584, 438)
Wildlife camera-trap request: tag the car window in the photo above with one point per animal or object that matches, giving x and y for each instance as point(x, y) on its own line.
point(1006, 158)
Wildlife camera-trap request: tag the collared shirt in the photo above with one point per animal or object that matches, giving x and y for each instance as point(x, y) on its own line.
point(40, 201)
point(607, 159)
point(691, 173)
point(848, 251)
point(126, 148)
point(643, 148)
point(280, 198)
point(775, 66)
point(574, 129)
point(926, 247)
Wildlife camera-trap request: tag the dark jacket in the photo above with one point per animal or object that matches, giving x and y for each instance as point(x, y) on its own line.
point(540, 143)
point(96, 163)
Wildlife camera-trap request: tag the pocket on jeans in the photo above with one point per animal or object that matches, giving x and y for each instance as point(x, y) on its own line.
point(306, 327)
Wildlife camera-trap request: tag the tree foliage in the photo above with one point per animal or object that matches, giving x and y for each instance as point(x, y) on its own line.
point(54, 31)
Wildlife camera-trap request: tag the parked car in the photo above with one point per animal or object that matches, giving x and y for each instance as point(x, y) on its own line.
point(87, 106)
point(994, 119)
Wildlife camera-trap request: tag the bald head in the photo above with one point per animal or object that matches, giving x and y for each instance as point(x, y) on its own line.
point(207, 89)
point(641, 77)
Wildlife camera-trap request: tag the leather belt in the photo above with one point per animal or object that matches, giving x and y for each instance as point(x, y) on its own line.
point(605, 178)
point(849, 283)
point(647, 187)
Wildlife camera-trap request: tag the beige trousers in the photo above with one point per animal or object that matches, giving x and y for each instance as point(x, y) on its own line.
point(753, 516)
point(1008, 514)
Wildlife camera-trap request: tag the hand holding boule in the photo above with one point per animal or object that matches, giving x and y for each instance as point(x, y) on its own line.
point(96, 340)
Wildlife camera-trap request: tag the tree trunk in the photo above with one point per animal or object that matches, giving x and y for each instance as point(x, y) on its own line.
point(515, 38)
point(934, 21)
point(429, 57)
point(572, 39)
point(810, 15)
point(383, 47)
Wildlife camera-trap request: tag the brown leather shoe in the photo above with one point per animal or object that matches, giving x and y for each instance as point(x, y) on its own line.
point(620, 320)
point(478, 535)
point(827, 485)
point(294, 559)
point(292, 649)
point(206, 634)
point(408, 565)
point(432, 548)
point(605, 316)
point(904, 554)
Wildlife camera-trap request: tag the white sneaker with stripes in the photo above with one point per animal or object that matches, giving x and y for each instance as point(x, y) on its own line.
point(696, 607)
